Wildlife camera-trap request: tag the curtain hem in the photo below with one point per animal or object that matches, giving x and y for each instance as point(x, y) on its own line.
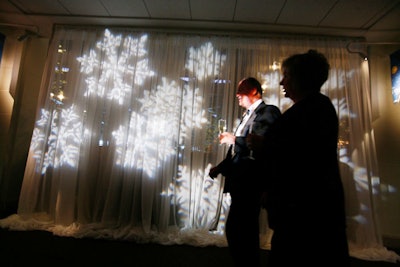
point(192, 237)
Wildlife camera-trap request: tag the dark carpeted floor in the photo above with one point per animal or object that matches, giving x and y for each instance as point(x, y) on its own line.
point(40, 248)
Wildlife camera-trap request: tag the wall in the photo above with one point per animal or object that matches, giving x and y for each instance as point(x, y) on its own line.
point(20, 79)
point(10, 60)
point(386, 126)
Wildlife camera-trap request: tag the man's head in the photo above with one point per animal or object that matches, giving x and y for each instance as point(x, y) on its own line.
point(249, 90)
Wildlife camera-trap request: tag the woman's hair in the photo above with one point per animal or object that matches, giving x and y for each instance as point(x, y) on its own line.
point(309, 70)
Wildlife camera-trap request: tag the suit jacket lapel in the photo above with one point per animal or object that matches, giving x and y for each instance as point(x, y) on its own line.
point(252, 117)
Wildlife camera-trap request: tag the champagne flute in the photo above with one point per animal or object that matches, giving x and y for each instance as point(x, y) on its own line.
point(221, 126)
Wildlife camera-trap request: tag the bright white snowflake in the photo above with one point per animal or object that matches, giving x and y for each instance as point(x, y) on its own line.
point(205, 61)
point(64, 136)
point(118, 70)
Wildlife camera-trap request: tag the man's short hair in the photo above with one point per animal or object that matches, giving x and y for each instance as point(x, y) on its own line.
point(248, 84)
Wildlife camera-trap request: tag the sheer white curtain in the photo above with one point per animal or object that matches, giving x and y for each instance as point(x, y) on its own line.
point(126, 133)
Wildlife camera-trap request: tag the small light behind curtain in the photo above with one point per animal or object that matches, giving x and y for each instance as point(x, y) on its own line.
point(126, 133)
point(395, 75)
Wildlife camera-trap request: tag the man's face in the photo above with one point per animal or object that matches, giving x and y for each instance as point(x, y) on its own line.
point(244, 100)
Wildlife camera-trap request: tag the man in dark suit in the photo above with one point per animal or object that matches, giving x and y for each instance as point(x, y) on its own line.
point(241, 169)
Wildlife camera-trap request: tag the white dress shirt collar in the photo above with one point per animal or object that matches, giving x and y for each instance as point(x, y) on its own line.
point(239, 130)
point(254, 106)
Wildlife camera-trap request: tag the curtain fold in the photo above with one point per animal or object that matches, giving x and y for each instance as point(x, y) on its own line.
point(126, 133)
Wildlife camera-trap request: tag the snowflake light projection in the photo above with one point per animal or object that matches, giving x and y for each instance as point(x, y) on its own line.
point(196, 192)
point(154, 134)
point(173, 111)
point(63, 138)
point(159, 117)
point(205, 61)
point(58, 133)
point(117, 68)
point(154, 130)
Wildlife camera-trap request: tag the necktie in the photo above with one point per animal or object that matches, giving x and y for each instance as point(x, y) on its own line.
point(246, 113)
point(242, 122)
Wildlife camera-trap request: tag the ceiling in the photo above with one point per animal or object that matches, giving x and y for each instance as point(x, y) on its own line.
point(374, 20)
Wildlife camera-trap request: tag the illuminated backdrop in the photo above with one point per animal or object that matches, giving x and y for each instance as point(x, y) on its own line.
point(127, 131)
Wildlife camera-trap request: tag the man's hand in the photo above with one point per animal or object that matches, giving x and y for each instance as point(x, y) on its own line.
point(227, 138)
point(214, 171)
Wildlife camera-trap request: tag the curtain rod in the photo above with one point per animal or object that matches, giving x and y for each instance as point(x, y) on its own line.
point(220, 32)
